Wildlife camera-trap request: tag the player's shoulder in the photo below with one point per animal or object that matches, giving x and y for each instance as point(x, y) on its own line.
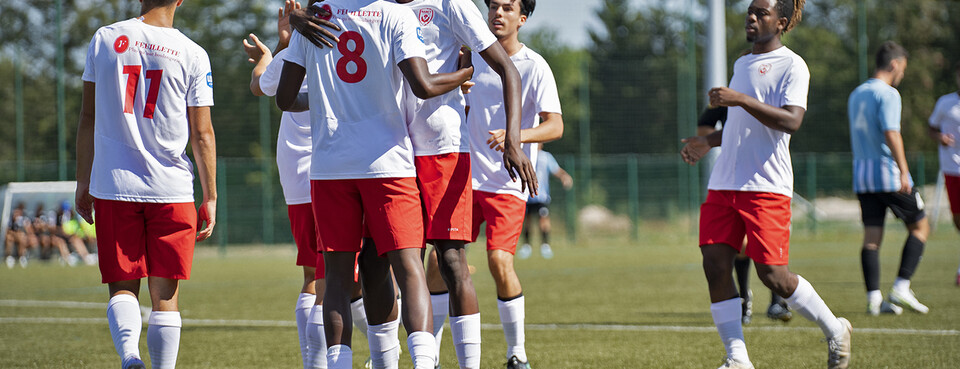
point(528, 55)
point(950, 98)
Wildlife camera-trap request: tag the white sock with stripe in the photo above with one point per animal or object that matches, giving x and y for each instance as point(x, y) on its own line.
point(511, 317)
point(123, 316)
point(726, 316)
point(163, 339)
point(384, 345)
point(305, 303)
point(465, 330)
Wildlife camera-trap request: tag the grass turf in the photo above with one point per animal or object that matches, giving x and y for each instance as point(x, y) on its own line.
point(604, 302)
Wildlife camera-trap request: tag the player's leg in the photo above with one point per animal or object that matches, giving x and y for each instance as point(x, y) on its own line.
point(741, 265)
point(952, 183)
point(721, 232)
point(873, 212)
point(121, 232)
point(439, 294)
point(463, 306)
point(525, 250)
point(304, 230)
point(383, 318)
point(909, 208)
point(545, 251)
point(394, 215)
point(503, 214)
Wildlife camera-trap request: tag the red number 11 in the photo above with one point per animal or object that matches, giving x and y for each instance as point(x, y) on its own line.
point(133, 79)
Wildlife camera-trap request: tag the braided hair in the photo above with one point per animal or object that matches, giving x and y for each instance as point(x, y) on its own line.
point(792, 10)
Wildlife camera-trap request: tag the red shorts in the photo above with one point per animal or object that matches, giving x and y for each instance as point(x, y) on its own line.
point(447, 196)
point(763, 217)
point(952, 183)
point(390, 207)
point(504, 216)
point(305, 236)
point(138, 239)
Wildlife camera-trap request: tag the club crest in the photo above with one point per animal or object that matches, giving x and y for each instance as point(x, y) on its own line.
point(425, 16)
point(764, 68)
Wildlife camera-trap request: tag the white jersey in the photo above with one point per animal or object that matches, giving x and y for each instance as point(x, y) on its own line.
point(445, 25)
point(946, 117)
point(538, 91)
point(146, 77)
point(755, 157)
point(357, 123)
point(293, 141)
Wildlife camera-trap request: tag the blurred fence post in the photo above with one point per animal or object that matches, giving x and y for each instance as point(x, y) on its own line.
point(585, 164)
point(266, 185)
point(570, 202)
point(18, 103)
point(223, 214)
point(862, 40)
point(812, 189)
point(633, 195)
point(61, 104)
point(921, 170)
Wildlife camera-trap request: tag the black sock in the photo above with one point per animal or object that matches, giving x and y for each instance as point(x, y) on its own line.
point(775, 299)
point(526, 236)
point(545, 238)
point(912, 252)
point(742, 266)
point(870, 261)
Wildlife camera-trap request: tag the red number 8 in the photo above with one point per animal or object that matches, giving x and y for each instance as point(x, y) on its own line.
point(351, 56)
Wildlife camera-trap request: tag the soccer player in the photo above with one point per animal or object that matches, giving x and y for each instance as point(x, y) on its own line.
point(362, 167)
point(752, 182)
point(882, 179)
point(539, 204)
point(147, 92)
point(944, 129)
point(497, 199)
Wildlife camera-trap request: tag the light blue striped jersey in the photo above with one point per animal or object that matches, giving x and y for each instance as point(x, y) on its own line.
point(874, 108)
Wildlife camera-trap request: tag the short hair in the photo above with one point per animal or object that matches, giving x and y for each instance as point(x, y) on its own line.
point(526, 6)
point(888, 52)
point(792, 10)
point(157, 3)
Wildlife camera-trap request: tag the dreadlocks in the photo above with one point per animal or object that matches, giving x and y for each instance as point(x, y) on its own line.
point(792, 10)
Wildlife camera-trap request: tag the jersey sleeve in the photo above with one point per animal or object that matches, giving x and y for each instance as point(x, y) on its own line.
point(552, 166)
point(295, 50)
point(89, 69)
point(200, 90)
point(889, 113)
point(796, 84)
point(406, 44)
point(468, 25)
point(937, 112)
point(545, 91)
point(270, 78)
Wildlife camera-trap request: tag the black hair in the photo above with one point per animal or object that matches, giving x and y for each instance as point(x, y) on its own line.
point(526, 6)
point(792, 10)
point(888, 52)
point(157, 3)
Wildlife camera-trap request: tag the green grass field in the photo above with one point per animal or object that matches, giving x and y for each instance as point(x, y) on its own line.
point(604, 302)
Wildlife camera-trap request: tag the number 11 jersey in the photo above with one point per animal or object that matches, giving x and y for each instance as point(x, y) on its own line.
point(146, 77)
point(357, 123)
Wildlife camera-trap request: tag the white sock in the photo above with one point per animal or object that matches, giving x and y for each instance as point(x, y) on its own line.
point(874, 297)
point(441, 307)
point(466, 339)
point(302, 312)
point(726, 316)
point(808, 303)
point(359, 316)
point(384, 345)
point(163, 338)
point(317, 355)
point(423, 350)
point(511, 317)
point(901, 285)
point(123, 315)
point(340, 357)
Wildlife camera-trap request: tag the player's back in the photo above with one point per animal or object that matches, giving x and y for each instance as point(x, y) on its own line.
point(146, 77)
point(358, 126)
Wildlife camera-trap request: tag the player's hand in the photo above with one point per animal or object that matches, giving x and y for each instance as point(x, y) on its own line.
point(518, 166)
point(724, 96)
point(283, 20)
point(207, 213)
point(314, 28)
point(947, 139)
point(905, 187)
point(84, 202)
point(465, 87)
point(567, 182)
point(496, 139)
point(255, 51)
point(694, 150)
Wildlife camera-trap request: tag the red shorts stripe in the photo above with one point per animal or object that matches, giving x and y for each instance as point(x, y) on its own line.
point(389, 206)
point(952, 183)
point(504, 216)
point(136, 240)
point(445, 189)
point(304, 230)
point(763, 218)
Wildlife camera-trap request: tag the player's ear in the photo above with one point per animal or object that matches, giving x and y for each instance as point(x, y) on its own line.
point(523, 20)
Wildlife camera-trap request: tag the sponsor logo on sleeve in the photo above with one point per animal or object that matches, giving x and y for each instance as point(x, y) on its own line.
point(121, 44)
point(210, 79)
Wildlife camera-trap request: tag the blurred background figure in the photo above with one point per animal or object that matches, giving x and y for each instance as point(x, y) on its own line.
point(20, 235)
point(546, 166)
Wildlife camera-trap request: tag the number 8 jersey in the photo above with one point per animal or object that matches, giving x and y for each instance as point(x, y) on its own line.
point(357, 122)
point(146, 77)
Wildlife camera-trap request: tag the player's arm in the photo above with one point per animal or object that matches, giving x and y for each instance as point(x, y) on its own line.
point(707, 122)
point(785, 119)
point(516, 162)
point(895, 142)
point(549, 129)
point(289, 97)
point(313, 28)
point(203, 143)
point(85, 149)
point(934, 131)
point(564, 178)
point(260, 55)
point(425, 84)
point(698, 146)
